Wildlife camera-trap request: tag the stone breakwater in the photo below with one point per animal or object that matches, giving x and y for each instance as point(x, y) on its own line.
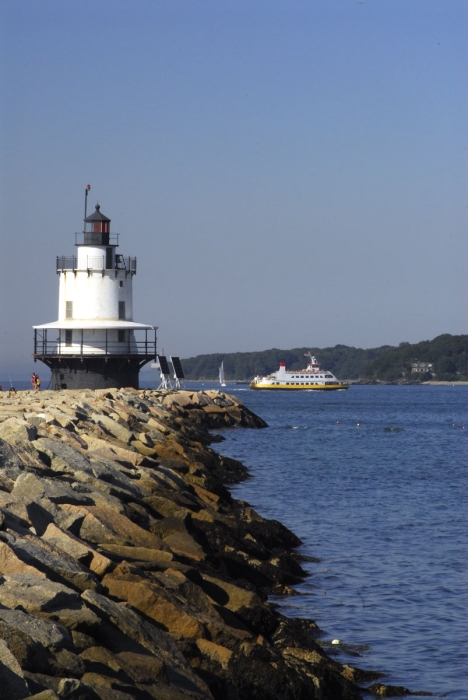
point(128, 571)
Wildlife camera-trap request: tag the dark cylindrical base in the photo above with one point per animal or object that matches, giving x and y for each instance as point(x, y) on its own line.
point(94, 373)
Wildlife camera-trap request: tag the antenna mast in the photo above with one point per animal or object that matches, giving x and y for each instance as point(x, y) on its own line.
point(88, 187)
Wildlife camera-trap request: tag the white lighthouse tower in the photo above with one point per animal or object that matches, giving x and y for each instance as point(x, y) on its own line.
point(95, 343)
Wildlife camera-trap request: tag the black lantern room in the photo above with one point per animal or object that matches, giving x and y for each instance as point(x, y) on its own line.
point(96, 228)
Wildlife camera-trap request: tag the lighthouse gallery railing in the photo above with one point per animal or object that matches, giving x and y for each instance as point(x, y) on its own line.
point(79, 346)
point(100, 263)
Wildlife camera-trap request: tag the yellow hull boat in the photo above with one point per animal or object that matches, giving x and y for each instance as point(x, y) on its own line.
point(313, 378)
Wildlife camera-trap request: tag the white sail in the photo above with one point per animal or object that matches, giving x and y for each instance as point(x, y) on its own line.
point(221, 375)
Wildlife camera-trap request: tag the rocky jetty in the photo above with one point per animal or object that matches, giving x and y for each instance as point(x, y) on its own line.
point(127, 570)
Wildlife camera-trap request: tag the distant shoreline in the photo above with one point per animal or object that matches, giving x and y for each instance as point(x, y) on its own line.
point(433, 382)
point(354, 382)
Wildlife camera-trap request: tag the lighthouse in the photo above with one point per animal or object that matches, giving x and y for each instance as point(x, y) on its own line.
point(95, 344)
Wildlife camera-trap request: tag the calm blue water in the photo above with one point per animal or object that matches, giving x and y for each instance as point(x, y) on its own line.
point(383, 505)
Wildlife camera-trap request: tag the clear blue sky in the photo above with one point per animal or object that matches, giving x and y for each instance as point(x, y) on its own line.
point(287, 173)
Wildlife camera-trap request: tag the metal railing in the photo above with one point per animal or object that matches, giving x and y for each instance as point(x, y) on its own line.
point(79, 346)
point(128, 264)
point(96, 238)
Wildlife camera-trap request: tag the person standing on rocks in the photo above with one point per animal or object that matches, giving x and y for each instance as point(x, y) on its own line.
point(35, 381)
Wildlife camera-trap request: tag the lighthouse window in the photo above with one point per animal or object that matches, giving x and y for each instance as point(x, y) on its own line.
point(121, 311)
point(121, 335)
point(68, 337)
point(69, 309)
point(121, 283)
point(108, 258)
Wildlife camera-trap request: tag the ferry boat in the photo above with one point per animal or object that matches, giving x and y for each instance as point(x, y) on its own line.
point(311, 378)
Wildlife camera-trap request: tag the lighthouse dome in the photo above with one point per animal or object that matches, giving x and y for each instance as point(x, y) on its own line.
point(97, 216)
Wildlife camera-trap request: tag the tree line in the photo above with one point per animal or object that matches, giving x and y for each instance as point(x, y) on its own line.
point(447, 353)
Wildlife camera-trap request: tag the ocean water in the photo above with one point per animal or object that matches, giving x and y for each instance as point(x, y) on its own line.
point(374, 482)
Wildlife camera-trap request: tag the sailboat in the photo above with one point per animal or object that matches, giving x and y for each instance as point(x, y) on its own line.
point(221, 375)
